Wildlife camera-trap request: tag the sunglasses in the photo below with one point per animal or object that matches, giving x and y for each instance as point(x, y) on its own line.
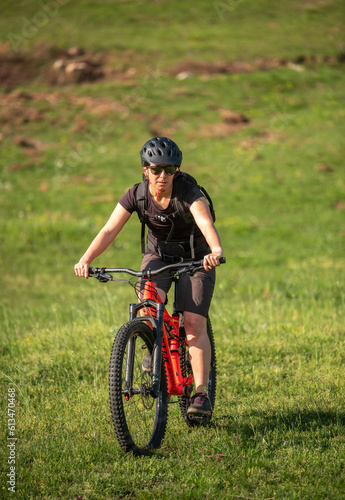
point(168, 169)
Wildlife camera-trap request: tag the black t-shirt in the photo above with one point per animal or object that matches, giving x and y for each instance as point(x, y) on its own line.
point(157, 228)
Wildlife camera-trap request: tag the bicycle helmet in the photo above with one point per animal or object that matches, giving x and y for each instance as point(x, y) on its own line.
point(160, 151)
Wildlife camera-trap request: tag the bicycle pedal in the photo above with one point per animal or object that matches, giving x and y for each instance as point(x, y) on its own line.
point(200, 419)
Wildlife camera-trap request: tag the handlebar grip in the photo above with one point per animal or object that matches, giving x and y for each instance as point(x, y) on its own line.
point(222, 260)
point(92, 271)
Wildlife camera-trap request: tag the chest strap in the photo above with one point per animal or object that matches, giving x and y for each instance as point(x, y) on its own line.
point(176, 251)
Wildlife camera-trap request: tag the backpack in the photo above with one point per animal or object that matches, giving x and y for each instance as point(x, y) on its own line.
point(180, 185)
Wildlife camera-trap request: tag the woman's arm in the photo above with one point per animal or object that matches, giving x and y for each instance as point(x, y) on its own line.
point(202, 216)
point(107, 234)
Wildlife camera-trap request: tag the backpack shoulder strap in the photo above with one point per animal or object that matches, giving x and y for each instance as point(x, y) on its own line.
point(210, 204)
point(179, 190)
point(180, 207)
point(180, 185)
point(183, 211)
point(141, 198)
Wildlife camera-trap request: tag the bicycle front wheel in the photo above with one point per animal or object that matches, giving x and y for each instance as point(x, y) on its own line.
point(139, 419)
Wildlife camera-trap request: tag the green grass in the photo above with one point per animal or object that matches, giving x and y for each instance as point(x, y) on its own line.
point(173, 30)
point(278, 311)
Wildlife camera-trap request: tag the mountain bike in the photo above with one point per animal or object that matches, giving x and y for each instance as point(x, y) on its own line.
point(139, 396)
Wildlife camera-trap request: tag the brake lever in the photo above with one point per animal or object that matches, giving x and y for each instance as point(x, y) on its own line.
point(185, 270)
point(102, 276)
point(196, 269)
point(188, 270)
point(192, 270)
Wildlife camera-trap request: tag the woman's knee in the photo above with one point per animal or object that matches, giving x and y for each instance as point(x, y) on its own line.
point(194, 324)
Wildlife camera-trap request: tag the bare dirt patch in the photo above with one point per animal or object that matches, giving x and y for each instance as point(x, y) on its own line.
point(27, 143)
point(324, 167)
point(20, 68)
point(189, 68)
point(57, 68)
point(54, 66)
point(263, 137)
point(48, 64)
point(339, 205)
point(100, 105)
point(19, 108)
point(231, 122)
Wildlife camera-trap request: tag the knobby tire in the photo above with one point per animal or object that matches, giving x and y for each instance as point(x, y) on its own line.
point(140, 422)
point(186, 370)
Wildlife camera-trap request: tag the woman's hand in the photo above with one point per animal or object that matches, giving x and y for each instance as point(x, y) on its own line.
point(82, 269)
point(212, 259)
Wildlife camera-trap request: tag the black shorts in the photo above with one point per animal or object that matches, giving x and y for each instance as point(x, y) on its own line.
point(194, 293)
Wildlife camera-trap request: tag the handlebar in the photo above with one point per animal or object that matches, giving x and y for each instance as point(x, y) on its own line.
point(103, 274)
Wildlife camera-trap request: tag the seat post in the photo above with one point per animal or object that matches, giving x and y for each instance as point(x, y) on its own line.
point(175, 281)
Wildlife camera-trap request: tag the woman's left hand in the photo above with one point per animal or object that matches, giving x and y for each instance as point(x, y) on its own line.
point(212, 260)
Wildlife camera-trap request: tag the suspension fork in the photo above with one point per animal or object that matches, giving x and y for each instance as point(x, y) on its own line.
point(157, 352)
point(157, 326)
point(128, 382)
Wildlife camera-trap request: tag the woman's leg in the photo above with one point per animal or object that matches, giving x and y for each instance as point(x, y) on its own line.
point(162, 282)
point(199, 349)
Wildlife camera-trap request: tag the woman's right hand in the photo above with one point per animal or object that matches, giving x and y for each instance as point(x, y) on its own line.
point(82, 269)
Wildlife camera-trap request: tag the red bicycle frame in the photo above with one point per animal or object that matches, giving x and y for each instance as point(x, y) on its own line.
point(170, 344)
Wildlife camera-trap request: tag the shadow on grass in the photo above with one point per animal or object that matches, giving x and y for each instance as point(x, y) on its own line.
point(281, 426)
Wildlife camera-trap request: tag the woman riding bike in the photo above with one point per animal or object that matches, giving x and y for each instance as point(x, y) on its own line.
point(172, 237)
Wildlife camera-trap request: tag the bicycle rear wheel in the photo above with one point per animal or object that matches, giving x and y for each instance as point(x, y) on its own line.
point(139, 419)
point(186, 369)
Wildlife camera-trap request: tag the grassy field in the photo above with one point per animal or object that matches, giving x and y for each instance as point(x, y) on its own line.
point(253, 93)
